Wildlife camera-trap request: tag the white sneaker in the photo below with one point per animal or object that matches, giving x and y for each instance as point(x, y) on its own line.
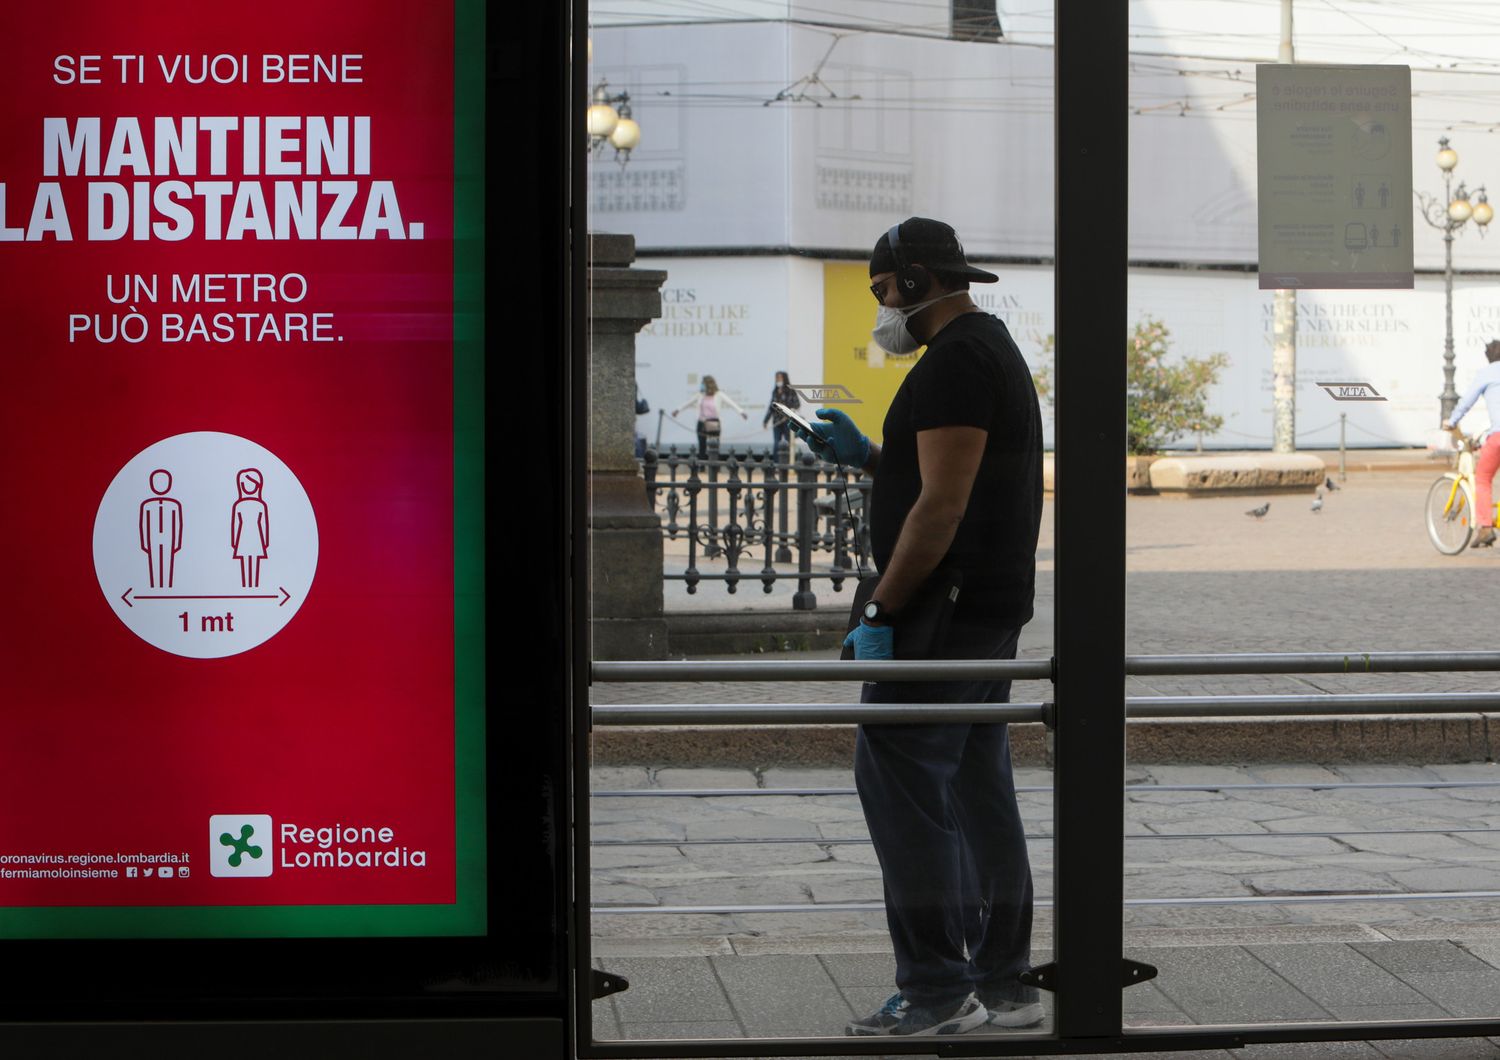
point(1014, 1013)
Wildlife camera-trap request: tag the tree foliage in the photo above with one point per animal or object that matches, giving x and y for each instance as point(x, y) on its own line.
point(1165, 398)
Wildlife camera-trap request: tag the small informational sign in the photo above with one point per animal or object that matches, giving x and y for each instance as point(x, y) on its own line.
point(1334, 148)
point(1351, 392)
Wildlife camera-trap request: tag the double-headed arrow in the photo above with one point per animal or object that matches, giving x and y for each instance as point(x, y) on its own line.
point(285, 596)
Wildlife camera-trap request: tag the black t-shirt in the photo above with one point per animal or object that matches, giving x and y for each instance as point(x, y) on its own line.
point(972, 375)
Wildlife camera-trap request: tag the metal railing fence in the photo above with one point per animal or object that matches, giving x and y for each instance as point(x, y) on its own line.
point(738, 507)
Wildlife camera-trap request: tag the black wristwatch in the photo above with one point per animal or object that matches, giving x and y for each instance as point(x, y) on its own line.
point(875, 612)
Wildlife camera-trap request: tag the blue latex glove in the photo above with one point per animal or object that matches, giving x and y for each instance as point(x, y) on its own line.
point(839, 440)
point(872, 642)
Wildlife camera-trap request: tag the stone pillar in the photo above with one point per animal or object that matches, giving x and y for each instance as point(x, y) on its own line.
point(625, 532)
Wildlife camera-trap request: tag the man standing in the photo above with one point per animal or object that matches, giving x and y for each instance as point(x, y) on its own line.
point(957, 483)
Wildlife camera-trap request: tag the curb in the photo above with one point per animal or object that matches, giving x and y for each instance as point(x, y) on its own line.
point(757, 632)
point(1325, 739)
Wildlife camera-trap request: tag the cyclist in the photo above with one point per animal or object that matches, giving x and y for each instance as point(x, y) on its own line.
point(1488, 462)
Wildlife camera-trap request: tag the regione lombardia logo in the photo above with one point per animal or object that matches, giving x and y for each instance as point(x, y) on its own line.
point(240, 844)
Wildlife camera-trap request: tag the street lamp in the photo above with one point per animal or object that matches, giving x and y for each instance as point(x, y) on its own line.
point(1450, 215)
point(609, 122)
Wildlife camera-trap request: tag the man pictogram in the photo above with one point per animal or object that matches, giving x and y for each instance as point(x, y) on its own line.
point(161, 530)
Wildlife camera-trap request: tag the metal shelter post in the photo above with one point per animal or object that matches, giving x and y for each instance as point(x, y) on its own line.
point(1089, 512)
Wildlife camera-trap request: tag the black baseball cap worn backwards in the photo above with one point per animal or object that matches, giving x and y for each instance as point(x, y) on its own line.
point(931, 244)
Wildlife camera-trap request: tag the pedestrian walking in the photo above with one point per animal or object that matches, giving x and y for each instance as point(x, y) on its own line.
point(957, 484)
point(781, 433)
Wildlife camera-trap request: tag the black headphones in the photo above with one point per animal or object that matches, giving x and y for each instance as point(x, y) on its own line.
point(914, 280)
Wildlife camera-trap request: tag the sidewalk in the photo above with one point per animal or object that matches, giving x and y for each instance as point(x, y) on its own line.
point(803, 973)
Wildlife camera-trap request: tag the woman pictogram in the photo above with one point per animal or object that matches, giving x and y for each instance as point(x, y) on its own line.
point(249, 527)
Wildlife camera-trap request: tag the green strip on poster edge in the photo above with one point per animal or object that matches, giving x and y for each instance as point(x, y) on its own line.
point(467, 915)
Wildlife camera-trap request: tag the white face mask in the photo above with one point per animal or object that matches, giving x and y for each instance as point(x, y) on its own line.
point(890, 325)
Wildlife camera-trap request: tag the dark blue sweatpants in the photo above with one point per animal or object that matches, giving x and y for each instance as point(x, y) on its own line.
point(940, 802)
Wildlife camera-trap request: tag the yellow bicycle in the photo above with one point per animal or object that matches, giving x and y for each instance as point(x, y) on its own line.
point(1450, 502)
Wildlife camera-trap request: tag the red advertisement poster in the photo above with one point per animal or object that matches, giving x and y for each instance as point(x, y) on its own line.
point(240, 529)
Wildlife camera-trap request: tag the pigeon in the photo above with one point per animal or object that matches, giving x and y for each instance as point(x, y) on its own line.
point(1260, 512)
point(1329, 484)
point(1317, 504)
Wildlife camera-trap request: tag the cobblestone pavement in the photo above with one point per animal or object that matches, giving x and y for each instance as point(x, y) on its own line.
point(770, 974)
point(1202, 577)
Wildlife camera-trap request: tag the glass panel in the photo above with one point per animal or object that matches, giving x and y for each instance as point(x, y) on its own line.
point(1305, 867)
point(734, 879)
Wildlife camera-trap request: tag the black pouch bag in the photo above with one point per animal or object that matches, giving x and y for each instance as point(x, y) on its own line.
point(924, 621)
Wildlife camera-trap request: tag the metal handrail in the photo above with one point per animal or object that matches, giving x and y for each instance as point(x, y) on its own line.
point(827, 670)
point(1042, 669)
point(816, 713)
point(1136, 708)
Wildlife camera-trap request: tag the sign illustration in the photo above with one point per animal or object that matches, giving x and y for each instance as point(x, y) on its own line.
point(161, 530)
point(200, 486)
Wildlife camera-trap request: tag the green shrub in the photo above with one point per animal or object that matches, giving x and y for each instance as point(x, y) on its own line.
point(1163, 401)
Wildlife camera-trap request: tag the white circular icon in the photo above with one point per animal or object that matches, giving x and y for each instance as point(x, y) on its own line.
point(205, 545)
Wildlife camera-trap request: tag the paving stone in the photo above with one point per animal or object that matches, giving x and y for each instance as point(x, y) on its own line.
point(736, 891)
point(1450, 878)
point(604, 892)
point(608, 857)
point(819, 945)
point(1212, 826)
point(751, 859)
point(1336, 974)
point(1292, 773)
point(1320, 825)
point(676, 946)
point(706, 778)
point(1382, 774)
point(618, 778)
point(1467, 771)
point(782, 996)
point(855, 854)
point(807, 778)
point(751, 827)
point(669, 990)
point(1422, 958)
point(1285, 845)
point(1422, 1010)
point(1439, 1049)
point(687, 1029)
point(1139, 795)
point(1156, 850)
point(1225, 984)
point(1434, 844)
point(1191, 774)
point(1469, 994)
point(636, 829)
point(1320, 881)
point(1255, 810)
point(862, 969)
point(866, 888)
point(1178, 883)
point(1309, 1051)
point(1489, 952)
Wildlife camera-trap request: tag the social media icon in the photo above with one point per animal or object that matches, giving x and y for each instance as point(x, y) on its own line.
point(130, 872)
point(182, 873)
point(167, 872)
point(148, 871)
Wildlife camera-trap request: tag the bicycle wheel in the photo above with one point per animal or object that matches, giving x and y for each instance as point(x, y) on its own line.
point(1450, 514)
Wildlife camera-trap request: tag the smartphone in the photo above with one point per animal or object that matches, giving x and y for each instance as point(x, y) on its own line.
point(802, 426)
